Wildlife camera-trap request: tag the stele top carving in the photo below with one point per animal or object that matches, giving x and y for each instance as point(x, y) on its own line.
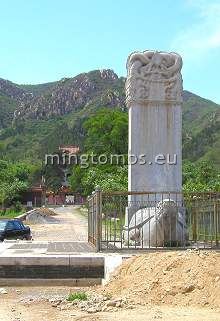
point(154, 76)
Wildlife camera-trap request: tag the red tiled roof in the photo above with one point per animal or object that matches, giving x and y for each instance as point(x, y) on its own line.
point(70, 149)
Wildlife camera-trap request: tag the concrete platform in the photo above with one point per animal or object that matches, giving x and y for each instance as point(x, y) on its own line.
point(52, 267)
point(83, 282)
point(55, 263)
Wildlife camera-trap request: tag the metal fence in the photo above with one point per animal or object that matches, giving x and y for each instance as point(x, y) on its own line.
point(94, 219)
point(150, 220)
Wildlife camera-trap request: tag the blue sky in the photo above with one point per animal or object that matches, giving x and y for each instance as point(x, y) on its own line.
point(46, 40)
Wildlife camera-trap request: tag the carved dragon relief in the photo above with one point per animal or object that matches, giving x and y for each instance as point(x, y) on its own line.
point(154, 77)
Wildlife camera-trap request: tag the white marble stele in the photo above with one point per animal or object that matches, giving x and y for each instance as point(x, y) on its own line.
point(154, 100)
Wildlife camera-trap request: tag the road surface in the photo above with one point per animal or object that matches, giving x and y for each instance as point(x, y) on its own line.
point(69, 225)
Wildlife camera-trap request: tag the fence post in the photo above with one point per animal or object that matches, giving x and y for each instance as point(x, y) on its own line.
point(216, 223)
point(90, 208)
point(98, 218)
point(194, 225)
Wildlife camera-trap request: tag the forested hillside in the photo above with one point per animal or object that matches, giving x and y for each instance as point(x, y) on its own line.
point(32, 115)
point(36, 119)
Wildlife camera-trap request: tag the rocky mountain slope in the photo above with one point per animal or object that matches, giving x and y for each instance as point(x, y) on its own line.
point(10, 97)
point(71, 94)
point(35, 119)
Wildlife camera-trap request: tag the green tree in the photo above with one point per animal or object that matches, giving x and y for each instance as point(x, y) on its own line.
point(107, 132)
point(200, 177)
point(13, 181)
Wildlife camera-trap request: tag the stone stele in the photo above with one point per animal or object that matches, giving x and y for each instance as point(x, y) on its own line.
point(154, 100)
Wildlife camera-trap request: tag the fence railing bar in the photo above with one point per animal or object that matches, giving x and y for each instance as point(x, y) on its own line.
point(198, 211)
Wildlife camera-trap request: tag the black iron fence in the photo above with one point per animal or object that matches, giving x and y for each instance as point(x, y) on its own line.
point(150, 220)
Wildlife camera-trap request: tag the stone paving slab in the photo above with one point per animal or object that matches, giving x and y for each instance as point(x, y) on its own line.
point(28, 246)
point(61, 247)
point(46, 248)
point(70, 247)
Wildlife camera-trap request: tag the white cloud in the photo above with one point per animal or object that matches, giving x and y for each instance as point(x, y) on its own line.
point(203, 36)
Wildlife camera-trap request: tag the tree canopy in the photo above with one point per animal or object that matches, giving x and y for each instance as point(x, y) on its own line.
point(14, 179)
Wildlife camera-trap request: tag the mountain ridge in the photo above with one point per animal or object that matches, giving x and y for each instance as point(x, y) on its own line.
point(36, 113)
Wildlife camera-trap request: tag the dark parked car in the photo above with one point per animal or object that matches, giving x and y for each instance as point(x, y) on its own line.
point(13, 230)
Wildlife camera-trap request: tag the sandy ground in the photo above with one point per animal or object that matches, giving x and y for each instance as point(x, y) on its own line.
point(69, 225)
point(31, 304)
point(181, 278)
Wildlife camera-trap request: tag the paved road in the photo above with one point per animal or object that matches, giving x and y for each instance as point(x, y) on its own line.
point(69, 225)
point(65, 232)
point(4, 246)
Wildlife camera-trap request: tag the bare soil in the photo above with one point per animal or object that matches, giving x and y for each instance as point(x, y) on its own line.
point(31, 304)
point(187, 278)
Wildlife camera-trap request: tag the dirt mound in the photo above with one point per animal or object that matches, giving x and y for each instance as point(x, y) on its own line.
point(46, 211)
point(184, 278)
point(41, 215)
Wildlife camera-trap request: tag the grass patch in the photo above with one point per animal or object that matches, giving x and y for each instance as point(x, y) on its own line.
point(113, 227)
point(83, 210)
point(82, 296)
point(10, 213)
point(108, 295)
